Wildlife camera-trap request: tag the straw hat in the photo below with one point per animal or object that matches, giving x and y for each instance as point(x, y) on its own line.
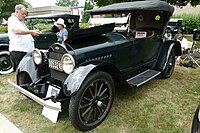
point(60, 21)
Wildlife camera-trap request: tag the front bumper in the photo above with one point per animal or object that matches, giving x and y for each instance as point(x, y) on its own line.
point(40, 101)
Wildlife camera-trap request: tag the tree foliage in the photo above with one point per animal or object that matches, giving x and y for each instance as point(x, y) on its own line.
point(67, 3)
point(86, 16)
point(179, 3)
point(8, 6)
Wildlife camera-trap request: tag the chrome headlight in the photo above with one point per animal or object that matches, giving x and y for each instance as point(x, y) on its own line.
point(68, 63)
point(37, 56)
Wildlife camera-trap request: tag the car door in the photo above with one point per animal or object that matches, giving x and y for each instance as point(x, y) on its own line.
point(136, 51)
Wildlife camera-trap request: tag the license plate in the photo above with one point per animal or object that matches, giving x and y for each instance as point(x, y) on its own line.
point(52, 91)
point(55, 64)
point(50, 113)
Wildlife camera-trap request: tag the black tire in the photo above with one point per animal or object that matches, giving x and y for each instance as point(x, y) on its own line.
point(5, 63)
point(169, 69)
point(195, 122)
point(91, 104)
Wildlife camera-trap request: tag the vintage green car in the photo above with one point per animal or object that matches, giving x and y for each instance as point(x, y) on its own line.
point(174, 27)
point(88, 67)
point(43, 41)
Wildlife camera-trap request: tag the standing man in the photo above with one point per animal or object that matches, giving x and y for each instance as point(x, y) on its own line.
point(21, 40)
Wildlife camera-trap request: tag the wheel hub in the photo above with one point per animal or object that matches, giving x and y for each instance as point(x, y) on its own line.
point(99, 103)
point(4, 62)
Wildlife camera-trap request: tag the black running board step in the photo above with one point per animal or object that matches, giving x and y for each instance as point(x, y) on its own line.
point(143, 77)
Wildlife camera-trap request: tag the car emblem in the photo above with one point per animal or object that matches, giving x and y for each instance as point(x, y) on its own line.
point(57, 48)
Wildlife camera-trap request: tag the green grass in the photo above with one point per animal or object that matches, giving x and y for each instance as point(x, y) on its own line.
point(159, 106)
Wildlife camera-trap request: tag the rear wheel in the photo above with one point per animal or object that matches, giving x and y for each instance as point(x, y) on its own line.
point(168, 71)
point(5, 63)
point(91, 104)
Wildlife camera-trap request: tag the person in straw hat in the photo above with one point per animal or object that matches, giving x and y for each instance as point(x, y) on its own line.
point(63, 33)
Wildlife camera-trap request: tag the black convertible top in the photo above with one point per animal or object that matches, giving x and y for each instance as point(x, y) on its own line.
point(136, 5)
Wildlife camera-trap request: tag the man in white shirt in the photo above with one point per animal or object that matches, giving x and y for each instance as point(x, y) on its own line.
point(21, 40)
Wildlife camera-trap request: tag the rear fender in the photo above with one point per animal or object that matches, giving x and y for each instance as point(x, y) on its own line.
point(164, 55)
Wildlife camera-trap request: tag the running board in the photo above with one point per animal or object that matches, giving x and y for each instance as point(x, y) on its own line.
point(143, 77)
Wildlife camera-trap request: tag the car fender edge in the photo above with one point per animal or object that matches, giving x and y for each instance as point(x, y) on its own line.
point(27, 65)
point(75, 79)
point(168, 46)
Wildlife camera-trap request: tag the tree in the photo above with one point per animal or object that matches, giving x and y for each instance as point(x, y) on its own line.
point(86, 16)
point(179, 3)
point(67, 3)
point(8, 6)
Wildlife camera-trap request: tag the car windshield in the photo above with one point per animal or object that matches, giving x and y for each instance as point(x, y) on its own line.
point(173, 24)
point(40, 24)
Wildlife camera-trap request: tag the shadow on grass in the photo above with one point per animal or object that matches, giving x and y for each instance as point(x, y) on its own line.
point(126, 92)
point(64, 115)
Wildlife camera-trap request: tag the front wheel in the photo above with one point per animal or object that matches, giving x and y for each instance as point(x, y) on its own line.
point(5, 63)
point(91, 104)
point(169, 68)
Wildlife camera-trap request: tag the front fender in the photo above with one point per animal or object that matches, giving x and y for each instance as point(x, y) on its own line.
point(75, 79)
point(27, 65)
point(164, 54)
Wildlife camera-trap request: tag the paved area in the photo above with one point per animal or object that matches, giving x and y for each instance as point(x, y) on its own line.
point(7, 127)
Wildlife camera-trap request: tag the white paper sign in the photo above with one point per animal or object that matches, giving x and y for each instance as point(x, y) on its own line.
point(140, 34)
point(50, 113)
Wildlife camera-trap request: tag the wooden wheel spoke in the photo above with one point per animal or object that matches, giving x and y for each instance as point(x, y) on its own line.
point(101, 86)
point(103, 92)
point(86, 112)
point(91, 92)
point(87, 99)
point(86, 105)
point(88, 117)
point(103, 98)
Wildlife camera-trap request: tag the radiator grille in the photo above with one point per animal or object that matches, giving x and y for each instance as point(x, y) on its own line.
point(57, 74)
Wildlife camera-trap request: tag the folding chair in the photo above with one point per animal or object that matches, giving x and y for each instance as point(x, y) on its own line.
point(191, 56)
